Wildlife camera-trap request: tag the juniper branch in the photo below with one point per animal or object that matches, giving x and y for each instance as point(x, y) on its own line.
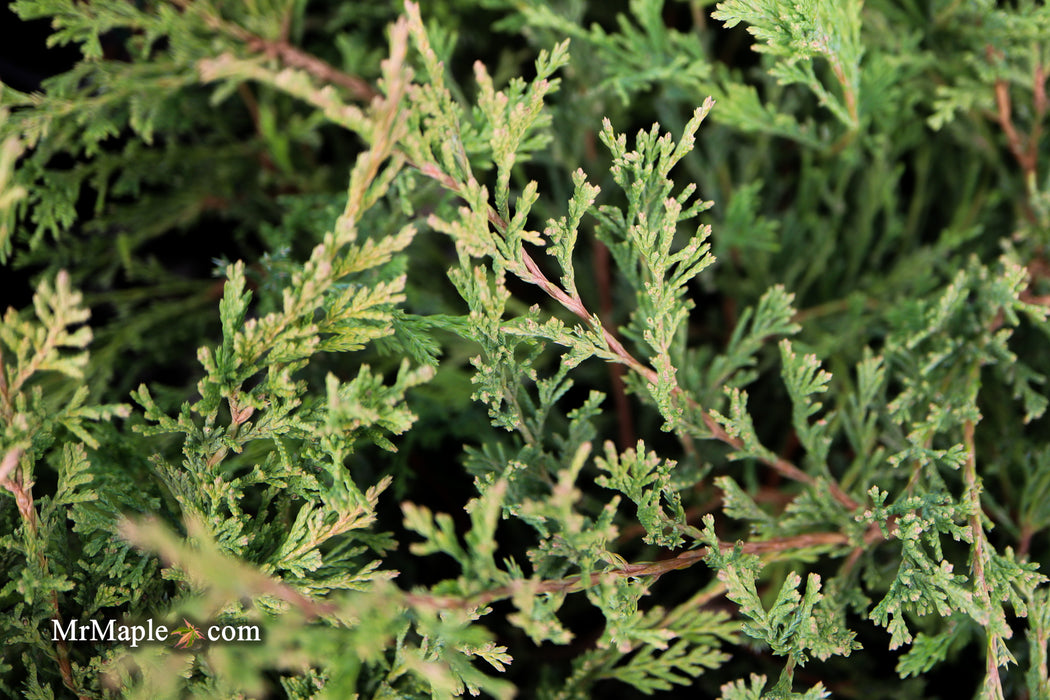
point(571, 300)
point(980, 541)
point(288, 54)
point(654, 570)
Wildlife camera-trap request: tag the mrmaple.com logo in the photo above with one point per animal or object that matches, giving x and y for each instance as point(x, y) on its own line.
point(185, 636)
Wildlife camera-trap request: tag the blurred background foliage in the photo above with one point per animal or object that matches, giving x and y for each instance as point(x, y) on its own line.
point(861, 158)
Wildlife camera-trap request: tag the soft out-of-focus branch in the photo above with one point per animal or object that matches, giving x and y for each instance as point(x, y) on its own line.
point(291, 56)
point(1025, 148)
point(199, 563)
point(10, 461)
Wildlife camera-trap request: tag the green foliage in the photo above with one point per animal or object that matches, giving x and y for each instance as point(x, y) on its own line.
point(646, 480)
point(799, 32)
point(794, 625)
point(774, 397)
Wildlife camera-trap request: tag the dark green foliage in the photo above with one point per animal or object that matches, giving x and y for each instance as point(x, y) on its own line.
point(552, 349)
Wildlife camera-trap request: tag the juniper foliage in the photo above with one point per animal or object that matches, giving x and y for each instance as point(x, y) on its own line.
point(507, 389)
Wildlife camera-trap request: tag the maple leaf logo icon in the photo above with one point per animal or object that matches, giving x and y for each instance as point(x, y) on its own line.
point(189, 634)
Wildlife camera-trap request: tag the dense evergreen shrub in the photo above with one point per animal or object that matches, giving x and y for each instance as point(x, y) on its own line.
point(404, 335)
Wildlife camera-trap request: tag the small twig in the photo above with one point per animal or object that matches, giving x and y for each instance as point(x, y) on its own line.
point(1040, 105)
point(847, 90)
point(1017, 147)
point(64, 665)
point(1024, 541)
point(572, 302)
point(573, 584)
point(252, 105)
point(296, 58)
point(1025, 151)
point(288, 54)
point(779, 464)
point(973, 495)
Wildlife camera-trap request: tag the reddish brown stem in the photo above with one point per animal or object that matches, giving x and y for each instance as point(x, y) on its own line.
point(1039, 102)
point(1023, 155)
point(1024, 542)
point(292, 56)
point(779, 464)
point(655, 569)
point(288, 54)
point(847, 90)
point(1025, 150)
